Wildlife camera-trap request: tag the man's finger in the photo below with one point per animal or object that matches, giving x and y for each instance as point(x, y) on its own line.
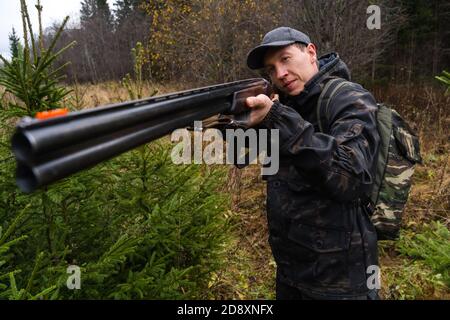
point(258, 101)
point(250, 101)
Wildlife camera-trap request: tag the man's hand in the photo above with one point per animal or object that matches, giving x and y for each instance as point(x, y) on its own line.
point(260, 106)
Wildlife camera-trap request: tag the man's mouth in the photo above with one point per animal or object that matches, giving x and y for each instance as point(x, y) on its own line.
point(289, 84)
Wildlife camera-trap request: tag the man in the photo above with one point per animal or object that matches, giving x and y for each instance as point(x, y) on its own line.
point(320, 232)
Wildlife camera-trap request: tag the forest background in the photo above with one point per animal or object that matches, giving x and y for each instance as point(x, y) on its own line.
point(140, 227)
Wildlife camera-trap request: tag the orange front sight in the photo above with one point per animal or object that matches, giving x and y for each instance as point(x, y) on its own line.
point(51, 113)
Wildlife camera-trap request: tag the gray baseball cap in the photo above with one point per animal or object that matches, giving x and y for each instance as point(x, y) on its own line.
point(278, 37)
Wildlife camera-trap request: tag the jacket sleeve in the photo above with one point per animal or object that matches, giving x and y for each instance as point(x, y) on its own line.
point(341, 163)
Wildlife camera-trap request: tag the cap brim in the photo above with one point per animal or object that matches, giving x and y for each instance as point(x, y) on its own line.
point(255, 58)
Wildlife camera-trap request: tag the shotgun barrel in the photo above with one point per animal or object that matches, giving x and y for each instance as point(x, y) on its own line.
point(51, 149)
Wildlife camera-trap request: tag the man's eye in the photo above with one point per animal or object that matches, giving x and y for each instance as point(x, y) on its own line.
point(284, 59)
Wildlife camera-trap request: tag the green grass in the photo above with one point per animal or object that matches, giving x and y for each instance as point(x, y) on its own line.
point(431, 246)
point(417, 265)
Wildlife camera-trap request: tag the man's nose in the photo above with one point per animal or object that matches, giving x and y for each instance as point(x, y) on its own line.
point(281, 73)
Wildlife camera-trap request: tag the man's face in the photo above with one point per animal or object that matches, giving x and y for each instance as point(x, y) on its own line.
point(291, 67)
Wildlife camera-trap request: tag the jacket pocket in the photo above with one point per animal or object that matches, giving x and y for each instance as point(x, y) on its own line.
point(320, 240)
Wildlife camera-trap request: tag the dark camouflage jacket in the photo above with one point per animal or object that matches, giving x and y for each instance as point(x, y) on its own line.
point(320, 234)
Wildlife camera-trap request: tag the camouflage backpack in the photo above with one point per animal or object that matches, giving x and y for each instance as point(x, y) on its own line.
point(398, 154)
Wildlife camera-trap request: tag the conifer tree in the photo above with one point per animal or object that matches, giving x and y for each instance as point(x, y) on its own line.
point(15, 47)
point(123, 10)
point(126, 9)
point(96, 10)
point(137, 226)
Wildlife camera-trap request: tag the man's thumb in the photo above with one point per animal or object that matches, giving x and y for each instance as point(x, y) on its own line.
point(252, 101)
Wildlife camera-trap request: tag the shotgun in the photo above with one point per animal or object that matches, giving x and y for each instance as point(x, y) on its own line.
point(51, 149)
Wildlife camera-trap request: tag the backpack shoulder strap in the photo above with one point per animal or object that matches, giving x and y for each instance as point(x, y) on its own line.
point(329, 91)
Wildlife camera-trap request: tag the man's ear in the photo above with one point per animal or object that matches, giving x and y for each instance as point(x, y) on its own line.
point(311, 47)
point(312, 51)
